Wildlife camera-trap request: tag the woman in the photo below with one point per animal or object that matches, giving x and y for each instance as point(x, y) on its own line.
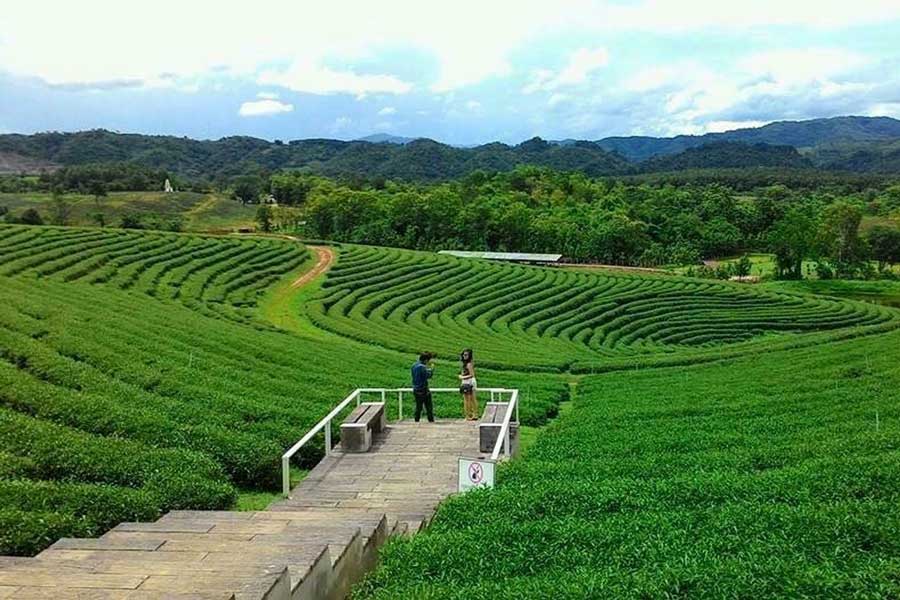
point(467, 385)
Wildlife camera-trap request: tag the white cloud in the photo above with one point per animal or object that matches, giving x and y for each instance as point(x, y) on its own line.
point(313, 79)
point(719, 126)
point(793, 66)
point(267, 95)
point(752, 90)
point(581, 64)
point(884, 109)
point(557, 99)
point(668, 16)
point(470, 40)
point(264, 107)
point(103, 45)
point(341, 124)
point(387, 110)
point(652, 78)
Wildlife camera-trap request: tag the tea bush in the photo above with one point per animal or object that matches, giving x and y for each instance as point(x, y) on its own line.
point(137, 362)
point(771, 476)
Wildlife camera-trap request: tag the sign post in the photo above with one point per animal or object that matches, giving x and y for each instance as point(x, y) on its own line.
point(475, 473)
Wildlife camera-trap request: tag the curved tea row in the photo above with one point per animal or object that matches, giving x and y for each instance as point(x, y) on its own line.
point(554, 318)
point(136, 377)
point(222, 274)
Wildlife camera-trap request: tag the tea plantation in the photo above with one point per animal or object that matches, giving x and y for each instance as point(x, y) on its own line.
point(775, 476)
point(135, 377)
point(723, 440)
point(538, 318)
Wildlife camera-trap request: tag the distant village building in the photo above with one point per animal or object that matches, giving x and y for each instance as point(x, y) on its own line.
point(167, 188)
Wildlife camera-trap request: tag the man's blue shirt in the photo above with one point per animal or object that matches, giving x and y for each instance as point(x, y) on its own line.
point(420, 375)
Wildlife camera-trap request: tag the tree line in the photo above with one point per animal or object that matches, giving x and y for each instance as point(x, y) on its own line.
point(534, 209)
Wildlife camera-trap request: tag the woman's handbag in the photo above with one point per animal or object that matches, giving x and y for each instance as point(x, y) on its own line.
point(466, 388)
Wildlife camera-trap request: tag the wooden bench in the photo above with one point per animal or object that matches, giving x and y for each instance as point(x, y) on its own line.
point(360, 425)
point(489, 428)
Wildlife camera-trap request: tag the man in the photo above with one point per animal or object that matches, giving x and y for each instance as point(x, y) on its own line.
point(422, 370)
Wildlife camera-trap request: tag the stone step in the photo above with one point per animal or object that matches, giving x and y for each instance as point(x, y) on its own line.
point(52, 593)
point(313, 545)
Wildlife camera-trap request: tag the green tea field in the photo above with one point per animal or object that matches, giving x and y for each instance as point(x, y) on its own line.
point(719, 440)
point(775, 476)
point(134, 367)
point(534, 318)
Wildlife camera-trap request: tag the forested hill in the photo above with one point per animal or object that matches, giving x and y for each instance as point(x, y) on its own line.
point(799, 134)
point(728, 155)
point(858, 144)
point(418, 160)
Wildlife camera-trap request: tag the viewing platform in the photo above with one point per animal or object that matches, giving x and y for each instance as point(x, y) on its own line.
point(409, 470)
point(314, 544)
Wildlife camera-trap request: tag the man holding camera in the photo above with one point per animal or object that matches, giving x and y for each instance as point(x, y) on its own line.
point(422, 370)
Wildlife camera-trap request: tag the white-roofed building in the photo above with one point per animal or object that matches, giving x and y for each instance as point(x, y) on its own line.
point(519, 257)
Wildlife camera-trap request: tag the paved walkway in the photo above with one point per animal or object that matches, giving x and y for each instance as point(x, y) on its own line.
point(406, 474)
point(313, 545)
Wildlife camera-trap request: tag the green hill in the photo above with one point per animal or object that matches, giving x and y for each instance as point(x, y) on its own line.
point(137, 367)
point(776, 475)
point(423, 159)
point(729, 155)
point(723, 439)
point(799, 134)
point(419, 160)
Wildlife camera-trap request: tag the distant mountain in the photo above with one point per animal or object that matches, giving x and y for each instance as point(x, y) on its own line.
point(861, 144)
point(863, 157)
point(799, 134)
point(417, 160)
point(386, 138)
point(728, 155)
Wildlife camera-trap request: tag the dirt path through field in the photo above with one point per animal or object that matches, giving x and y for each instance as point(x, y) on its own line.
point(326, 257)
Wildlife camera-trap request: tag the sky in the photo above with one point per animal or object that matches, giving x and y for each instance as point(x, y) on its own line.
point(462, 72)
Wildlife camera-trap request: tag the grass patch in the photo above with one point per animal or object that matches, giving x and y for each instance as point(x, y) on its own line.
point(250, 500)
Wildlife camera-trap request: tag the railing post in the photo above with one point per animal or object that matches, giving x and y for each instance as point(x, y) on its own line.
point(506, 442)
point(383, 396)
point(399, 405)
point(328, 438)
point(285, 476)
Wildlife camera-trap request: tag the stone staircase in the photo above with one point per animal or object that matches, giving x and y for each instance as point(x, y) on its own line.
point(314, 545)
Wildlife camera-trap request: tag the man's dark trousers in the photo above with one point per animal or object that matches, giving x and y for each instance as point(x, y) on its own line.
point(423, 398)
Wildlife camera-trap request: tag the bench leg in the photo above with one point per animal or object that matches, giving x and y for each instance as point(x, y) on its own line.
point(356, 438)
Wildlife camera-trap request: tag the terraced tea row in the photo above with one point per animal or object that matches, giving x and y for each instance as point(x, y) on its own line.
point(224, 275)
point(141, 392)
point(553, 318)
point(772, 476)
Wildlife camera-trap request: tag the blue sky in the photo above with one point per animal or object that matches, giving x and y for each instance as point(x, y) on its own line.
point(462, 72)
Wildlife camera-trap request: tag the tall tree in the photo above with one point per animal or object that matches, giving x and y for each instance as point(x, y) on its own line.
point(60, 209)
point(839, 239)
point(792, 240)
point(884, 243)
point(247, 189)
point(264, 218)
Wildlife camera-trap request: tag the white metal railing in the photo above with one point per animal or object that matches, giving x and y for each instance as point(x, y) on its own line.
point(503, 435)
point(325, 423)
